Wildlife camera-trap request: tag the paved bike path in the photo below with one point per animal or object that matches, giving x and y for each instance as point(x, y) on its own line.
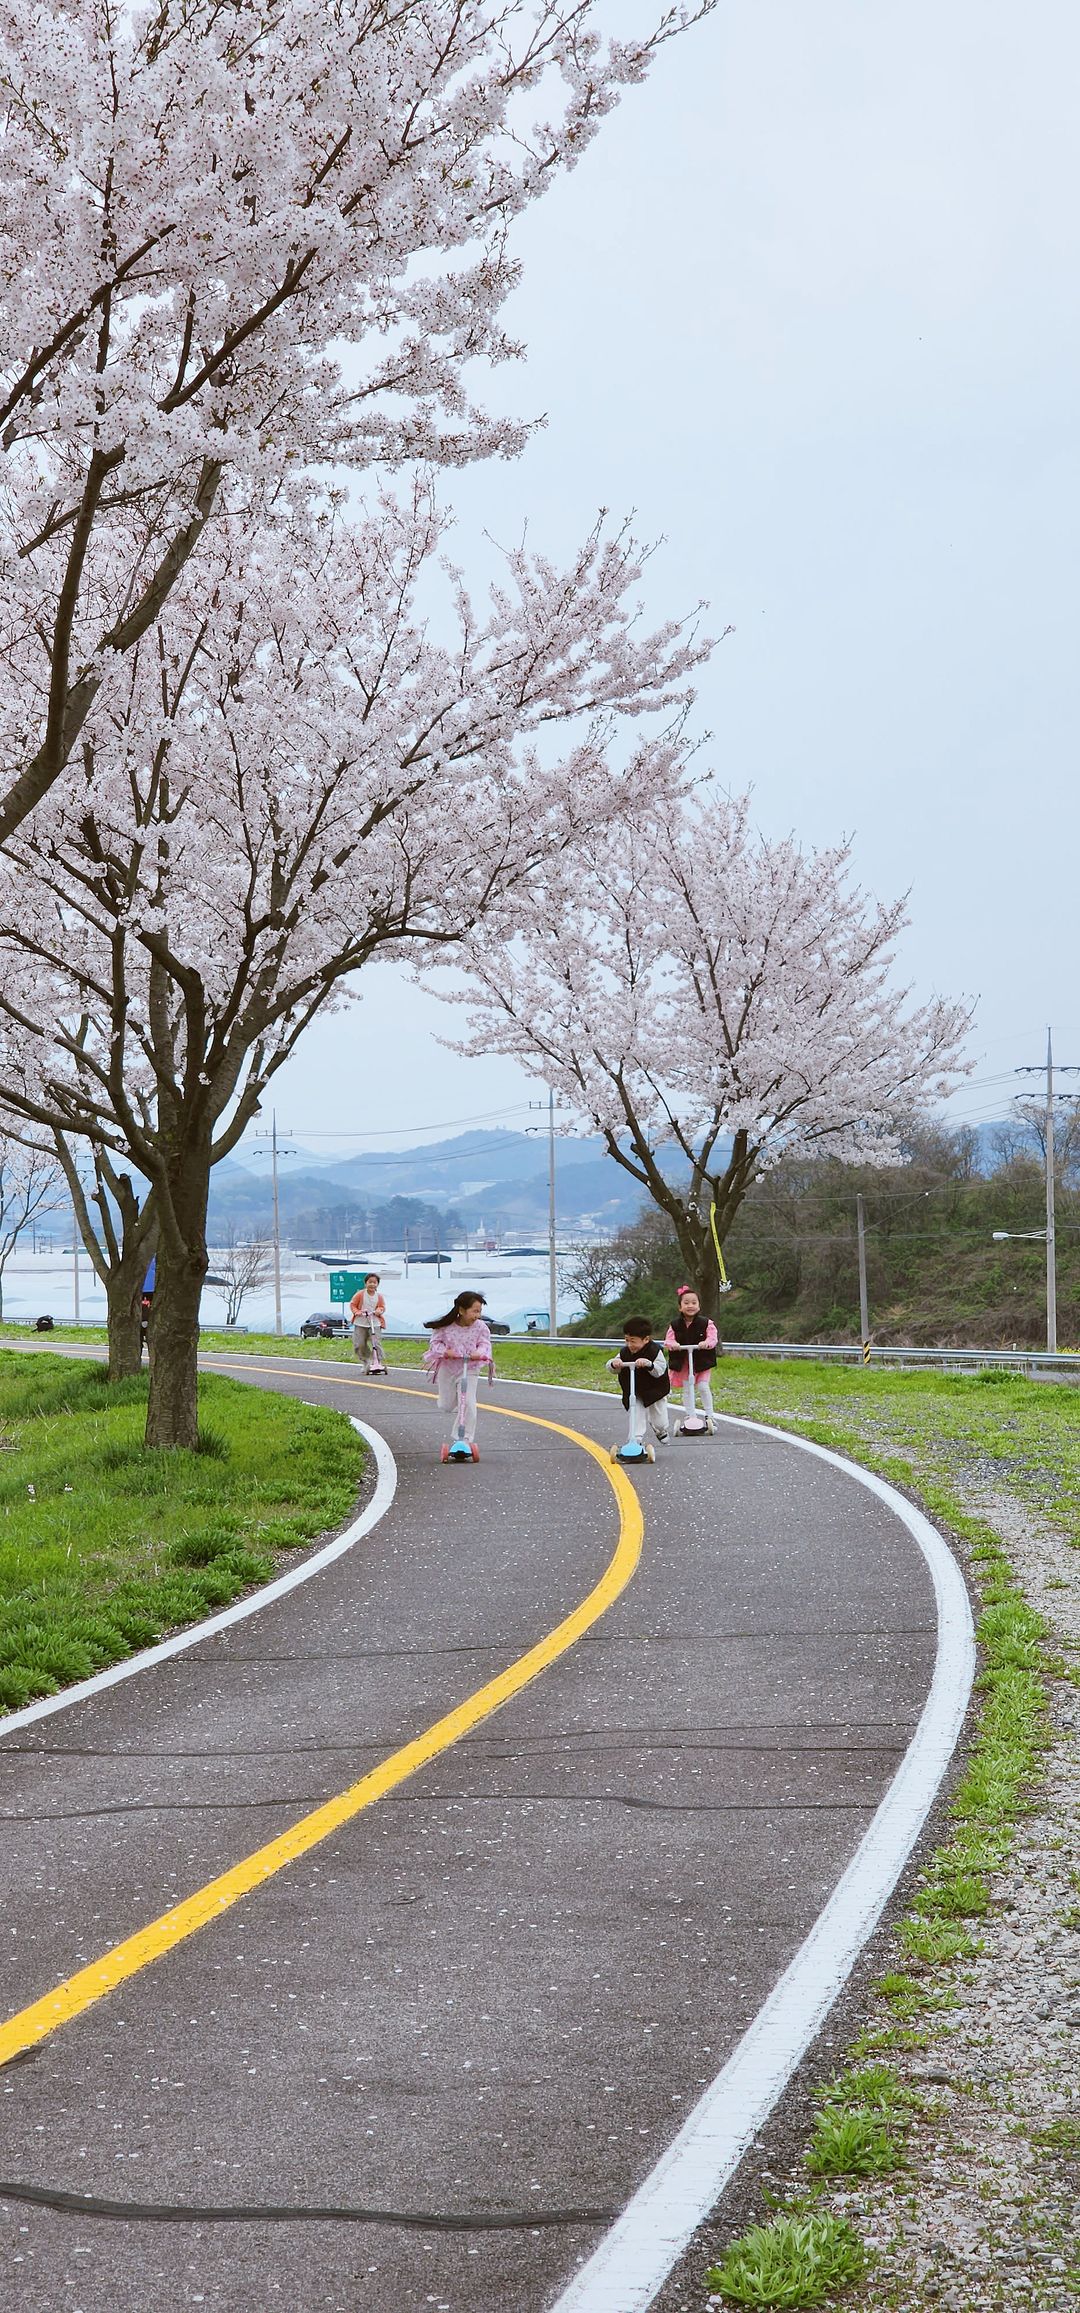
point(494, 1995)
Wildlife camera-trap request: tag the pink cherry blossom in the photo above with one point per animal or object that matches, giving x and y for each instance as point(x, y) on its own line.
point(292, 777)
point(707, 1001)
point(240, 242)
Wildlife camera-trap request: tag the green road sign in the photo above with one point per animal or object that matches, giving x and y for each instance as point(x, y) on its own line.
point(345, 1282)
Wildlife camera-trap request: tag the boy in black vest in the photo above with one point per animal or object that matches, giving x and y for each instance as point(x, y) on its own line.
point(651, 1384)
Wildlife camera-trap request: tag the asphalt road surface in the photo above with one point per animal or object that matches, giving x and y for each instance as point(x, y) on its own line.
point(488, 2002)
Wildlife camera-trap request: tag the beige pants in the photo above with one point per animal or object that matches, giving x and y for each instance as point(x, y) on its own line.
point(653, 1417)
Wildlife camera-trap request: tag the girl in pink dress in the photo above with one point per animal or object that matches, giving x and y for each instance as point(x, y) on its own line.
point(460, 1343)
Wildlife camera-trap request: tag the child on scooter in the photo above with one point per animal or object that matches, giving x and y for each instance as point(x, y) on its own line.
point(691, 1330)
point(368, 1312)
point(651, 1384)
point(460, 1343)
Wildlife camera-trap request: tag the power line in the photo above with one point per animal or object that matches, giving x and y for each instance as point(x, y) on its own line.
point(448, 1124)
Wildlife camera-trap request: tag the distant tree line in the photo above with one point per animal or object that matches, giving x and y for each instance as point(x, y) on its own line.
point(348, 1222)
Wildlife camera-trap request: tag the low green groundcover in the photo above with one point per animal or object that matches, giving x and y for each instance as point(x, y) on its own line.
point(104, 1547)
point(799, 2259)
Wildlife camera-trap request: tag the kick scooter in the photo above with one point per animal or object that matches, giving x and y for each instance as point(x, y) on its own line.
point(633, 1449)
point(460, 1449)
point(693, 1424)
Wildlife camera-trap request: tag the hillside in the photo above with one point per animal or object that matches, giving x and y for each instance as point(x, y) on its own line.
point(935, 1276)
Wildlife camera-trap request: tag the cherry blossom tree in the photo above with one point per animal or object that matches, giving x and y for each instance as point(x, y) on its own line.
point(242, 241)
point(708, 1001)
point(295, 778)
point(117, 1221)
point(243, 1264)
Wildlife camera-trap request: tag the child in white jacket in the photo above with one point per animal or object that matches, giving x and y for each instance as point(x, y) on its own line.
point(651, 1385)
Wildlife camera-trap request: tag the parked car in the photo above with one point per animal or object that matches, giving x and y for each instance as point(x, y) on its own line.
point(495, 1325)
point(323, 1324)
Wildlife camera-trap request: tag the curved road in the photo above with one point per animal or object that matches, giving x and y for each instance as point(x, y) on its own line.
point(489, 2000)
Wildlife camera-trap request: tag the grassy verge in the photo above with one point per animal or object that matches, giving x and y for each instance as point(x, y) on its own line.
point(953, 1441)
point(103, 1547)
point(521, 1360)
point(563, 1361)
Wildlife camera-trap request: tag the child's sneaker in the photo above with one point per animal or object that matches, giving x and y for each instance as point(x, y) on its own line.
point(662, 1437)
point(444, 1453)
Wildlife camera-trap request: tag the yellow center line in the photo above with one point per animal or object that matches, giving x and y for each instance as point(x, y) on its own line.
point(92, 1983)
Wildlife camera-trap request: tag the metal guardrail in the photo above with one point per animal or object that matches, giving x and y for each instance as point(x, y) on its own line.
point(1037, 1364)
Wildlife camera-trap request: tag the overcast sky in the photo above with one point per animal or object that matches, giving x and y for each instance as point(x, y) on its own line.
point(809, 308)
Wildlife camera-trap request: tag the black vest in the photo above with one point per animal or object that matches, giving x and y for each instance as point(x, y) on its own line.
point(688, 1332)
point(648, 1387)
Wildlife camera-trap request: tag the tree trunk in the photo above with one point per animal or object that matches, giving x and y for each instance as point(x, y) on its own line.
point(123, 1289)
point(172, 1414)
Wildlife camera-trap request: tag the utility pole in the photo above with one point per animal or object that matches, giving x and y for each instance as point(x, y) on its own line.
point(1051, 1238)
point(277, 1222)
point(864, 1305)
point(75, 1254)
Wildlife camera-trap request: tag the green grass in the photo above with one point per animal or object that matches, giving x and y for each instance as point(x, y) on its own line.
point(1061, 2136)
point(853, 2144)
point(104, 1547)
point(862, 2119)
point(569, 1361)
point(935, 1942)
point(800, 2258)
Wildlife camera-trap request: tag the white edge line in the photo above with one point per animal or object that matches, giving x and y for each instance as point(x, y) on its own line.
point(632, 2262)
point(385, 1487)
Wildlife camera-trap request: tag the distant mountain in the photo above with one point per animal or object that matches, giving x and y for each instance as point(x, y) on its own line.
point(499, 1178)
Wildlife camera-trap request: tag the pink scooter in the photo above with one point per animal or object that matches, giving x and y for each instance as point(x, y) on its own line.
point(692, 1423)
point(461, 1448)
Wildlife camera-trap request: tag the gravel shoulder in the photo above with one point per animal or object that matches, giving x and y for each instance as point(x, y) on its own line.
point(987, 2213)
point(983, 2210)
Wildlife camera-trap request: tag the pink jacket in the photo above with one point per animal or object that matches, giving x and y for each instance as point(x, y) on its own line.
point(454, 1343)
